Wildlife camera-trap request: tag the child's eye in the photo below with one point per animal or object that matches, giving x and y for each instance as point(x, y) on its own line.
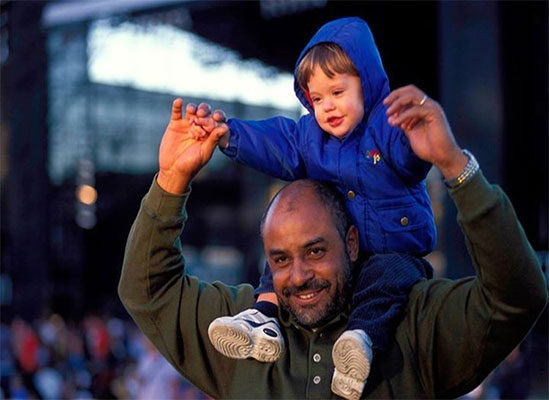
point(337, 92)
point(316, 99)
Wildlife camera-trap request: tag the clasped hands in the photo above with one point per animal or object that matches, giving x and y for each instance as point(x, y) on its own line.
point(203, 122)
point(188, 144)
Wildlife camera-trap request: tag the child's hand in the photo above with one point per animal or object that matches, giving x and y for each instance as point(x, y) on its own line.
point(197, 132)
point(204, 122)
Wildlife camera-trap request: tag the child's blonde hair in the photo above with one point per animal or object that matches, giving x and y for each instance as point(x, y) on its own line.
point(330, 57)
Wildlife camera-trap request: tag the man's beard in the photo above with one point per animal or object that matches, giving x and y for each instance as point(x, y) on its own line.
point(318, 315)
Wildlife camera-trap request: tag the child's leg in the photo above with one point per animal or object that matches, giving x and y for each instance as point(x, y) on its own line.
point(267, 302)
point(381, 293)
point(269, 297)
point(253, 332)
point(380, 296)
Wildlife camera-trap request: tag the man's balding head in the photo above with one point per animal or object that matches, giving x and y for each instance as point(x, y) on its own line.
point(326, 193)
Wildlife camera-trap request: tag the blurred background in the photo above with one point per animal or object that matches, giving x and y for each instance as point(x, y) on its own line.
point(86, 91)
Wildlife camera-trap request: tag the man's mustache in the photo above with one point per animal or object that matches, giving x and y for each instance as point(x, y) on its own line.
point(312, 284)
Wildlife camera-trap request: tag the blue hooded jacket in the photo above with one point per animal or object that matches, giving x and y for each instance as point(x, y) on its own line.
point(373, 166)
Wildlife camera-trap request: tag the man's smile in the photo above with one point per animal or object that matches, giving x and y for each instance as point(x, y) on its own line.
point(308, 298)
point(309, 294)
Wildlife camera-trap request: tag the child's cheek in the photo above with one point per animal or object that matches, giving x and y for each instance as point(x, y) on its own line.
point(309, 100)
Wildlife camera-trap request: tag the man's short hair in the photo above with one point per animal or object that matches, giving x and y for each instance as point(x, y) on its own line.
point(331, 198)
point(328, 56)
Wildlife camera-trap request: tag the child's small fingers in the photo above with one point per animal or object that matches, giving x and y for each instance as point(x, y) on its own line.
point(204, 110)
point(203, 121)
point(219, 116)
point(220, 130)
point(207, 123)
point(197, 132)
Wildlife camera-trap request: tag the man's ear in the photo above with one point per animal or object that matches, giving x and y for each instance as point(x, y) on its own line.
point(352, 243)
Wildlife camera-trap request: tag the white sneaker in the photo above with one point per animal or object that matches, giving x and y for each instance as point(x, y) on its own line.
point(352, 356)
point(248, 334)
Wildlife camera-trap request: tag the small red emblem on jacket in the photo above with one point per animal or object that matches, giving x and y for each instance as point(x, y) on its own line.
point(374, 155)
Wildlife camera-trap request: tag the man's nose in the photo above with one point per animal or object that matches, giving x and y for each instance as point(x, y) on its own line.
point(301, 273)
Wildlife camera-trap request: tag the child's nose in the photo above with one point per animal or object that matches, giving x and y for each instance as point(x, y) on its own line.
point(329, 105)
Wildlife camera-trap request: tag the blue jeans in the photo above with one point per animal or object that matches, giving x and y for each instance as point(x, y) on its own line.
point(380, 294)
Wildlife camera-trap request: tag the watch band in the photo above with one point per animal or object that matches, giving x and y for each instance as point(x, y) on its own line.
point(468, 172)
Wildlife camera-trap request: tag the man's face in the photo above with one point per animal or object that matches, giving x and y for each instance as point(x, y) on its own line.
point(310, 262)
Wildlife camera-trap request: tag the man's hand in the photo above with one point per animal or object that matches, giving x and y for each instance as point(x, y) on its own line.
point(181, 154)
point(424, 123)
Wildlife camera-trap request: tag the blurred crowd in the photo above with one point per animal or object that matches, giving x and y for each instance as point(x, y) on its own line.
point(109, 358)
point(97, 358)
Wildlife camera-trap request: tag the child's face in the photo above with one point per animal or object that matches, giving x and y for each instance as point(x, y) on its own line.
point(337, 101)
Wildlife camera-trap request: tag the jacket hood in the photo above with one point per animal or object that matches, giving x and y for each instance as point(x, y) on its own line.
point(355, 38)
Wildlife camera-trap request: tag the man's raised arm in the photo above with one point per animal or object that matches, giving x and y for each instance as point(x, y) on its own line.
point(463, 329)
point(171, 308)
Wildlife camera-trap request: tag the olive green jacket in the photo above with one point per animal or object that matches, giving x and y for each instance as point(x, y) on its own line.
point(452, 335)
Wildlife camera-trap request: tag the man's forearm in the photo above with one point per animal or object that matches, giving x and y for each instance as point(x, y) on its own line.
point(507, 265)
point(470, 325)
point(152, 258)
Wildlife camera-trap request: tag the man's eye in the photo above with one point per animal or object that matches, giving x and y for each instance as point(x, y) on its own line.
point(317, 252)
point(281, 260)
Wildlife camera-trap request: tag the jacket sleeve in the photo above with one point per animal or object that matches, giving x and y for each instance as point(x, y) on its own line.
point(171, 308)
point(395, 148)
point(270, 146)
point(465, 328)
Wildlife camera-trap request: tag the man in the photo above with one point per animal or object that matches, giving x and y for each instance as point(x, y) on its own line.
point(453, 334)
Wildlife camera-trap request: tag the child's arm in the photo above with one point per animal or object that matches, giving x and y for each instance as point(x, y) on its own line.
point(271, 146)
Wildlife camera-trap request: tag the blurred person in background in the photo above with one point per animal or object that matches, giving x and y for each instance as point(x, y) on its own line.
point(156, 378)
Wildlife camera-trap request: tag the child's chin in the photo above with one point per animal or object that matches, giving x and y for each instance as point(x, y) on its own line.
point(339, 135)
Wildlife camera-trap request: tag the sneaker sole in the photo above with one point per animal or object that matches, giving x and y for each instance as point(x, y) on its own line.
point(346, 387)
point(351, 368)
point(234, 341)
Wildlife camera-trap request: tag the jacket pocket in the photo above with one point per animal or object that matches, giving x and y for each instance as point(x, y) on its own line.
point(407, 227)
point(400, 215)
